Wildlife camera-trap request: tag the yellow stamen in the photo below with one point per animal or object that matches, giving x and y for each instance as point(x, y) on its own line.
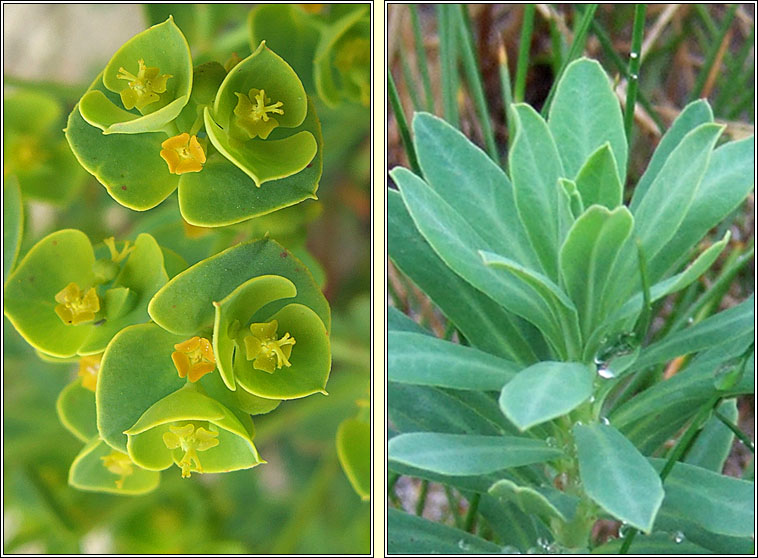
point(119, 464)
point(117, 256)
point(264, 348)
point(75, 308)
point(194, 358)
point(252, 113)
point(89, 366)
point(190, 441)
point(144, 88)
point(183, 153)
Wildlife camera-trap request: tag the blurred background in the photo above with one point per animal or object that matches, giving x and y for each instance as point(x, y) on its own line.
point(689, 51)
point(301, 501)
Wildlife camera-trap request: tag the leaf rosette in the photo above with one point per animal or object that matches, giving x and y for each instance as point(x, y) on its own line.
point(66, 298)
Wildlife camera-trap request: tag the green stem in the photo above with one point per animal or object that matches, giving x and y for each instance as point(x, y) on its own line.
point(715, 43)
point(644, 320)
point(470, 521)
point(505, 84)
point(634, 68)
point(471, 66)
point(744, 438)
point(447, 66)
point(525, 43)
point(410, 82)
point(421, 502)
point(452, 502)
point(402, 124)
point(421, 59)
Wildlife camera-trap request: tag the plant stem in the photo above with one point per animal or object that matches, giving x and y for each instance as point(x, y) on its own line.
point(410, 82)
point(505, 84)
point(471, 66)
point(470, 521)
point(421, 59)
point(527, 26)
point(635, 59)
point(402, 125)
point(715, 43)
point(447, 65)
point(737, 432)
point(421, 502)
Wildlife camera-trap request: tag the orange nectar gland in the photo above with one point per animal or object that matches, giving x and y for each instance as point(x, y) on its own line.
point(75, 307)
point(144, 88)
point(194, 358)
point(191, 441)
point(266, 351)
point(89, 366)
point(183, 153)
point(252, 113)
point(119, 464)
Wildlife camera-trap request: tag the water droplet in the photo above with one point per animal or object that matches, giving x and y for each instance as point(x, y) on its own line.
point(579, 423)
point(690, 320)
point(554, 548)
point(624, 530)
point(463, 545)
point(634, 76)
point(678, 537)
point(543, 543)
point(551, 441)
point(633, 55)
point(606, 373)
point(605, 421)
point(510, 549)
point(534, 550)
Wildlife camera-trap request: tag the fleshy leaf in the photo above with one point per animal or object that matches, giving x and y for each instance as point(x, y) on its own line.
point(354, 451)
point(89, 471)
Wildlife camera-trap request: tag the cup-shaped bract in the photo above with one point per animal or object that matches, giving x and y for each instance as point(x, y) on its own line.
point(147, 83)
point(100, 468)
point(342, 63)
point(64, 301)
point(34, 151)
point(193, 431)
point(270, 320)
point(261, 94)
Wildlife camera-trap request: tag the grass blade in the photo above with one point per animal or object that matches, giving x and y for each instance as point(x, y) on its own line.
point(712, 53)
point(421, 58)
point(402, 124)
point(410, 82)
point(448, 67)
point(634, 68)
point(527, 26)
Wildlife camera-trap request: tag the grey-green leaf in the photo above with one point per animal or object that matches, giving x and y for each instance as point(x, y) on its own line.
point(414, 358)
point(616, 476)
point(543, 206)
point(544, 391)
point(410, 534)
point(461, 454)
point(598, 180)
point(696, 113)
point(534, 501)
point(713, 444)
point(584, 115)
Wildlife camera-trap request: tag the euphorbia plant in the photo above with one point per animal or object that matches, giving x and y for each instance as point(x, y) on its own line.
point(549, 281)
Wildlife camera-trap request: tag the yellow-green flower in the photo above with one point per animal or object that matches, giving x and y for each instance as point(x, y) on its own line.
point(252, 113)
point(75, 307)
point(194, 358)
point(144, 88)
point(191, 441)
point(119, 464)
point(89, 366)
point(264, 348)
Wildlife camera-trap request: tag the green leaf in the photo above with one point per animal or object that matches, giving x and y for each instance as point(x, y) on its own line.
point(535, 169)
point(128, 165)
point(584, 115)
point(561, 306)
point(60, 258)
point(456, 454)
point(708, 333)
point(533, 501)
point(457, 244)
point(714, 443)
point(354, 452)
point(694, 533)
point(468, 180)
point(616, 476)
point(654, 544)
point(184, 304)
point(136, 372)
point(726, 183)
point(544, 391)
point(76, 410)
point(13, 223)
point(88, 472)
point(662, 210)
point(419, 359)
point(694, 114)
point(222, 194)
point(587, 259)
point(486, 324)
point(719, 503)
point(397, 321)
point(410, 534)
point(598, 180)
